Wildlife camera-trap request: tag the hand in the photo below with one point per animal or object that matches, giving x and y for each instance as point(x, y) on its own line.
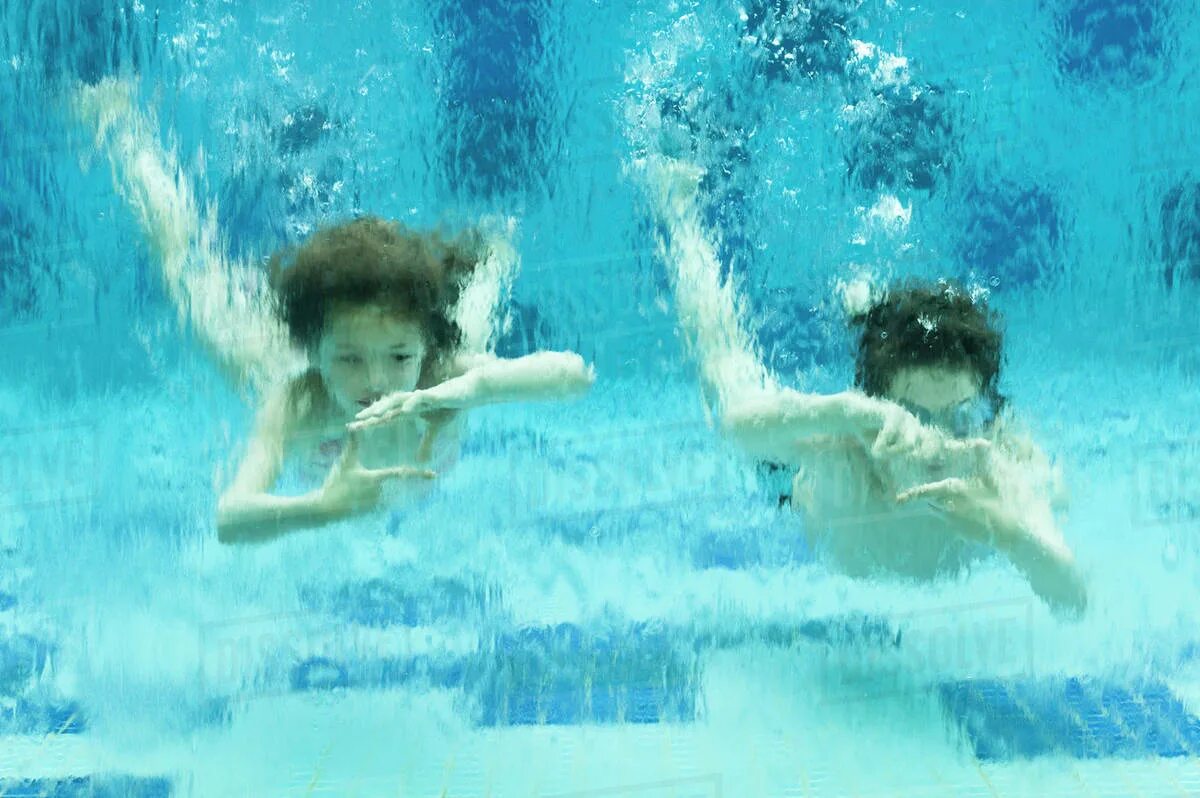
point(436, 402)
point(973, 503)
point(900, 434)
point(674, 182)
point(350, 488)
point(99, 106)
point(902, 442)
point(945, 494)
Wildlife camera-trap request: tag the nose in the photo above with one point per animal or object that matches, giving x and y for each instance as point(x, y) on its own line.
point(376, 376)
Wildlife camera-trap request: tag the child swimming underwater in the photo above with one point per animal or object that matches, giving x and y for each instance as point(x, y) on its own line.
point(366, 343)
point(912, 474)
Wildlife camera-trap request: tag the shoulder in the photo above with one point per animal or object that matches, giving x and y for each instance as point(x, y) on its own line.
point(463, 362)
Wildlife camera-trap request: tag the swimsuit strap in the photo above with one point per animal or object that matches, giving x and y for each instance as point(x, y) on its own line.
point(778, 478)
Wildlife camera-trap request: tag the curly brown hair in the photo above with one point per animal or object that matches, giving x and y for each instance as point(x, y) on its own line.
point(372, 261)
point(924, 324)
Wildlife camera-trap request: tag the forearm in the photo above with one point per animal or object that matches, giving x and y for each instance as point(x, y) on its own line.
point(1050, 568)
point(771, 423)
point(226, 302)
point(707, 306)
point(262, 517)
point(1030, 541)
point(536, 377)
point(475, 311)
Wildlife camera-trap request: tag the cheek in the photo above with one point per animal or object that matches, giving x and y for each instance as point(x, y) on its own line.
point(342, 378)
point(409, 374)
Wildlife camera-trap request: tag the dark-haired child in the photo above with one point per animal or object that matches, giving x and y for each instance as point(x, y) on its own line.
point(914, 473)
point(366, 342)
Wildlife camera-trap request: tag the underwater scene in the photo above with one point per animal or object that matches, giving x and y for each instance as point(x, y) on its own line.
point(606, 398)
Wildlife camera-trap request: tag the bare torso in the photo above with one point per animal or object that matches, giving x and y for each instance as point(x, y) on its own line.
point(851, 516)
point(318, 436)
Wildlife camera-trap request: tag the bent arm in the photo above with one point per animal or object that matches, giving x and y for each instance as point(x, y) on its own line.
point(774, 425)
point(1028, 533)
point(229, 304)
point(261, 517)
point(1049, 566)
point(247, 512)
point(1006, 509)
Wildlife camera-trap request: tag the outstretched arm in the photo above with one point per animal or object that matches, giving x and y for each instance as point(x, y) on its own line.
point(228, 303)
point(709, 313)
point(764, 418)
point(487, 379)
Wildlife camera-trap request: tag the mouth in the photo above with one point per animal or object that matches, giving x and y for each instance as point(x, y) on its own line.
point(368, 401)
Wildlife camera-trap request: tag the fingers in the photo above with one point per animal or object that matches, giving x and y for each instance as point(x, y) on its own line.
point(400, 472)
point(350, 452)
point(388, 404)
point(361, 423)
point(942, 489)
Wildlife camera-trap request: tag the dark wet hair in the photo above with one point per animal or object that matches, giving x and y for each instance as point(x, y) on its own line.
point(372, 261)
point(924, 324)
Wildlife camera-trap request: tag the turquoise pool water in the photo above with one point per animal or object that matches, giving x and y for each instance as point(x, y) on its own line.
point(600, 599)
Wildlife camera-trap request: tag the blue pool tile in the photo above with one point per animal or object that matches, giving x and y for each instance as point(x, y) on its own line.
point(560, 674)
point(564, 674)
point(21, 657)
point(850, 630)
point(319, 673)
point(908, 140)
point(1179, 235)
point(1118, 41)
point(32, 716)
point(794, 39)
point(1011, 232)
point(401, 601)
point(87, 787)
point(1077, 716)
point(7, 601)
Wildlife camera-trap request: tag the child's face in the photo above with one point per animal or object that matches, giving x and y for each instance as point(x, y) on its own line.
point(368, 352)
point(934, 389)
point(946, 397)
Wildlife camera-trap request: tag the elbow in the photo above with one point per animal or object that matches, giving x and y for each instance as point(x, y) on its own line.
point(575, 375)
point(1057, 581)
point(229, 531)
point(1070, 602)
point(226, 535)
point(582, 375)
point(738, 420)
